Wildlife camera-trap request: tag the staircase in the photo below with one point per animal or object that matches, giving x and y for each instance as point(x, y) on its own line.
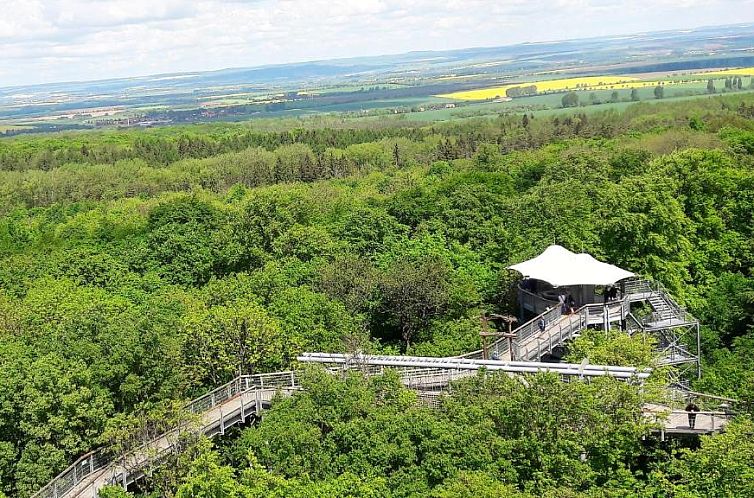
point(668, 320)
point(666, 312)
point(532, 343)
point(662, 310)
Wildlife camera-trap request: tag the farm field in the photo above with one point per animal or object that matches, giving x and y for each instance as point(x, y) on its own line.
point(550, 103)
point(741, 71)
point(4, 128)
point(588, 83)
point(417, 86)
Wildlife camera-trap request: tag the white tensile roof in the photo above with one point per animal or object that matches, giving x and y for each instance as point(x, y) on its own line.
point(559, 266)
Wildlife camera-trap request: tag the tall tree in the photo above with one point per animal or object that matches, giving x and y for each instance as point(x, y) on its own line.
point(570, 99)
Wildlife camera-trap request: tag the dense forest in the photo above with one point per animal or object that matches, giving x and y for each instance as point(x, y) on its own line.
point(141, 268)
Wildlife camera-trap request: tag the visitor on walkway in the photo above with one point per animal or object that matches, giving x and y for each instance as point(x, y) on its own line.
point(563, 305)
point(542, 324)
point(691, 408)
point(613, 294)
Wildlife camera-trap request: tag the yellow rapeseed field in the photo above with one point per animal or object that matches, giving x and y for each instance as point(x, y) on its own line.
point(742, 71)
point(584, 83)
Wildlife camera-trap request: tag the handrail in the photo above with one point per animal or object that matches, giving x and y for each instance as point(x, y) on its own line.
point(98, 458)
point(550, 316)
point(525, 330)
point(631, 318)
point(712, 396)
point(646, 285)
point(680, 397)
point(72, 475)
point(716, 419)
point(567, 325)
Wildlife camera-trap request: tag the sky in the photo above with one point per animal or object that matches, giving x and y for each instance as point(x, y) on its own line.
point(45, 41)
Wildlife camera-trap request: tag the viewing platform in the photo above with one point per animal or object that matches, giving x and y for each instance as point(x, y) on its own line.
point(563, 293)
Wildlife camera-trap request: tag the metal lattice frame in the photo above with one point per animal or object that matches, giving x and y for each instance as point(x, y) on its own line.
point(674, 327)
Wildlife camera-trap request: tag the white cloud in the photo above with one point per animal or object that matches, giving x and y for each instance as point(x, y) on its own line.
point(54, 40)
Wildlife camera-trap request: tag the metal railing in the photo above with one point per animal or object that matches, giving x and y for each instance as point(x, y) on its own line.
point(85, 466)
point(558, 328)
point(594, 313)
point(532, 327)
point(534, 302)
point(654, 288)
point(99, 459)
point(422, 371)
point(633, 324)
point(706, 421)
point(677, 398)
point(501, 346)
point(534, 347)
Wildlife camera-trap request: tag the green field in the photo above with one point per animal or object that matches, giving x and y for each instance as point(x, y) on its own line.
point(356, 104)
point(552, 103)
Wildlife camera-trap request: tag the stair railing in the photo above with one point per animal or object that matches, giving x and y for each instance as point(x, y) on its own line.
point(643, 286)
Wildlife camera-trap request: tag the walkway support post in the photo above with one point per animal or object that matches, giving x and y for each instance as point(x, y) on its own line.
point(698, 352)
point(485, 333)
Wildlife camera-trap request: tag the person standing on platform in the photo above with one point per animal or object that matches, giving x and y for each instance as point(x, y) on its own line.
point(613, 294)
point(691, 408)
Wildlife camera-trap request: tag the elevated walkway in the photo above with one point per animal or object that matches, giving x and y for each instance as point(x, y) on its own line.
point(223, 407)
point(417, 369)
point(248, 395)
point(668, 321)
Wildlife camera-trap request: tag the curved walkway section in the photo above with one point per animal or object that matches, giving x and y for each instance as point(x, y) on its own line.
point(225, 406)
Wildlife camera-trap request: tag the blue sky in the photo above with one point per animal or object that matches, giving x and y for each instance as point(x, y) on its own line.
point(44, 41)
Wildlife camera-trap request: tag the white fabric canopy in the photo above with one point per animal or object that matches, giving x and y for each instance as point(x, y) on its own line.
point(559, 266)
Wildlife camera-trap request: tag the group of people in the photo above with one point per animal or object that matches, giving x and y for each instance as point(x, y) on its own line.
point(610, 293)
point(567, 304)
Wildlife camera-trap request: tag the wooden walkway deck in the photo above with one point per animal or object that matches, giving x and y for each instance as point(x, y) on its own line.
point(241, 404)
point(215, 421)
point(677, 421)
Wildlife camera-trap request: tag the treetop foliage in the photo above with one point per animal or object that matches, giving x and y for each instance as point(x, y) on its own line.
point(144, 267)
